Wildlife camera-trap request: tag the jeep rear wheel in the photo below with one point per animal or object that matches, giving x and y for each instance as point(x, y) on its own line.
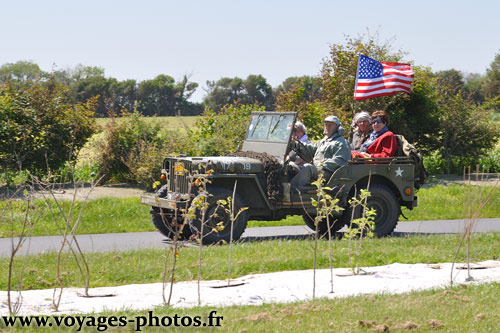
point(384, 202)
point(336, 223)
point(164, 223)
point(217, 225)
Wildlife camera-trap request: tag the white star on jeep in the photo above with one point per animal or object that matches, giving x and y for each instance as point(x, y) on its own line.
point(399, 172)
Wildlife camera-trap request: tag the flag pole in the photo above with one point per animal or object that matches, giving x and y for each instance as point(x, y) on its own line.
point(356, 84)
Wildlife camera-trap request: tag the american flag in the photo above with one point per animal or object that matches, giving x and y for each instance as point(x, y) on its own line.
point(375, 78)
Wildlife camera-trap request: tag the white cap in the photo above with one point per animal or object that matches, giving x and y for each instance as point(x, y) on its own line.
point(332, 119)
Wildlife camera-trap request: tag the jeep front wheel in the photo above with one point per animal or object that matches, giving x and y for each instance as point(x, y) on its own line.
point(164, 223)
point(217, 225)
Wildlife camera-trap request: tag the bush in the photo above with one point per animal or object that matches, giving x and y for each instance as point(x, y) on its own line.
point(144, 163)
point(222, 133)
point(40, 129)
point(121, 140)
point(436, 164)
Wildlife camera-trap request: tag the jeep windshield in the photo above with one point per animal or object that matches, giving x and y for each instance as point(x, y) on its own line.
point(268, 127)
point(270, 132)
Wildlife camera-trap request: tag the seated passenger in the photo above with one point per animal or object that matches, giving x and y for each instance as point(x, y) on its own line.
point(381, 142)
point(299, 134)
point(327, 155)
point(360, 130)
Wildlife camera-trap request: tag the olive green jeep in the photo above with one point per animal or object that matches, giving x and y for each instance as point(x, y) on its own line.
point(261, 174)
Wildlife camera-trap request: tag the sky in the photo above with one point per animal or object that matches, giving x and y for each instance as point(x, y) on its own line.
point(207, 40)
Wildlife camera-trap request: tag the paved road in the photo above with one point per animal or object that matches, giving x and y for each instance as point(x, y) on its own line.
point(141, 240)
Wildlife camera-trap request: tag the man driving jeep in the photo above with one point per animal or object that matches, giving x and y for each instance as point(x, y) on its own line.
point(324, 156)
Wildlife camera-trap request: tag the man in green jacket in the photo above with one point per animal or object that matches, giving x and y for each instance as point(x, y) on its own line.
point(324, 156)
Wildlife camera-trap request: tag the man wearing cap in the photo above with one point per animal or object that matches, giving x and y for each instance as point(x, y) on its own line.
point(325, 156)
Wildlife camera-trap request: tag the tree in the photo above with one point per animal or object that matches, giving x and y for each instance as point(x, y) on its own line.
point(466, 133)
point(303, 95)
point(229, 91)
point(492, 80)
point(225, 91)
point(162, 96)
point(123, 95)
point(258, 91)
point(21, 72)
point(417, 116)
point(309, 86)
point(222, 132)
point(185, 89)
point(87, 87)
point(414, 115)
point(338, 75)
point(474, 88)
point(40, 128)
point(451, 80)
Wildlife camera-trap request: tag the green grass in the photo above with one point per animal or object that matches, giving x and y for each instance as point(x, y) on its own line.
point(460, 309)
point(104, 215)
point(145, 266)
point(109, 215)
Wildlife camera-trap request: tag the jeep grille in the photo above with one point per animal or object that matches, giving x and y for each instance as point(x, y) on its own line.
point(179, 173)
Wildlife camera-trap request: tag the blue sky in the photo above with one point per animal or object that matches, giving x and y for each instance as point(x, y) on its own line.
point(212, 39)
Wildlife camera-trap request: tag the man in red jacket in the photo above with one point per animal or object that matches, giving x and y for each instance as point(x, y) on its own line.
point(381, 142)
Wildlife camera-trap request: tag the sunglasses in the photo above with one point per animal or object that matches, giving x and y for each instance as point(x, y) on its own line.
point(377, 121)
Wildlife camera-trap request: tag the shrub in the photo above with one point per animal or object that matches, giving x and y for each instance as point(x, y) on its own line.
point(436, 164)
point(40, 129)
point(121, 141)
point(144, 163)
point(222, 133)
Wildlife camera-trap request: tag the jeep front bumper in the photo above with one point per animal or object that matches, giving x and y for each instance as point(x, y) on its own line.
point(163, 203)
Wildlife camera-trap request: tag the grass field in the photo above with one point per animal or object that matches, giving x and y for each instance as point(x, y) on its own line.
point(170, 123)
point(110, 215)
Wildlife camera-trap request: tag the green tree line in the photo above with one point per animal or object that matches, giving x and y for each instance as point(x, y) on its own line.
point(46, 117)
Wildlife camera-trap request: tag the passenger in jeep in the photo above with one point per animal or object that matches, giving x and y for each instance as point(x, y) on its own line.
point(299, 134)
point(382, 142)
point(326, 155)
point(360, 130)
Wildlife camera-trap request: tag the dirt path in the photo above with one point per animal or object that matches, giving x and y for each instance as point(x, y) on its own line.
point(108, 190)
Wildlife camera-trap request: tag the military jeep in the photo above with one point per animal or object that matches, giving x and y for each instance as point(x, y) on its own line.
point(261, 173)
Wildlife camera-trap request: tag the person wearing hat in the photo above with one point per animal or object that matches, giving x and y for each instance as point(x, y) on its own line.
point(324, 156)
point(381, 142)
point(360, 130)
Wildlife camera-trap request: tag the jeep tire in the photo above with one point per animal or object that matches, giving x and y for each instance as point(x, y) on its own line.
point(216, 214)
point(164, 223)
point(386, 206)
